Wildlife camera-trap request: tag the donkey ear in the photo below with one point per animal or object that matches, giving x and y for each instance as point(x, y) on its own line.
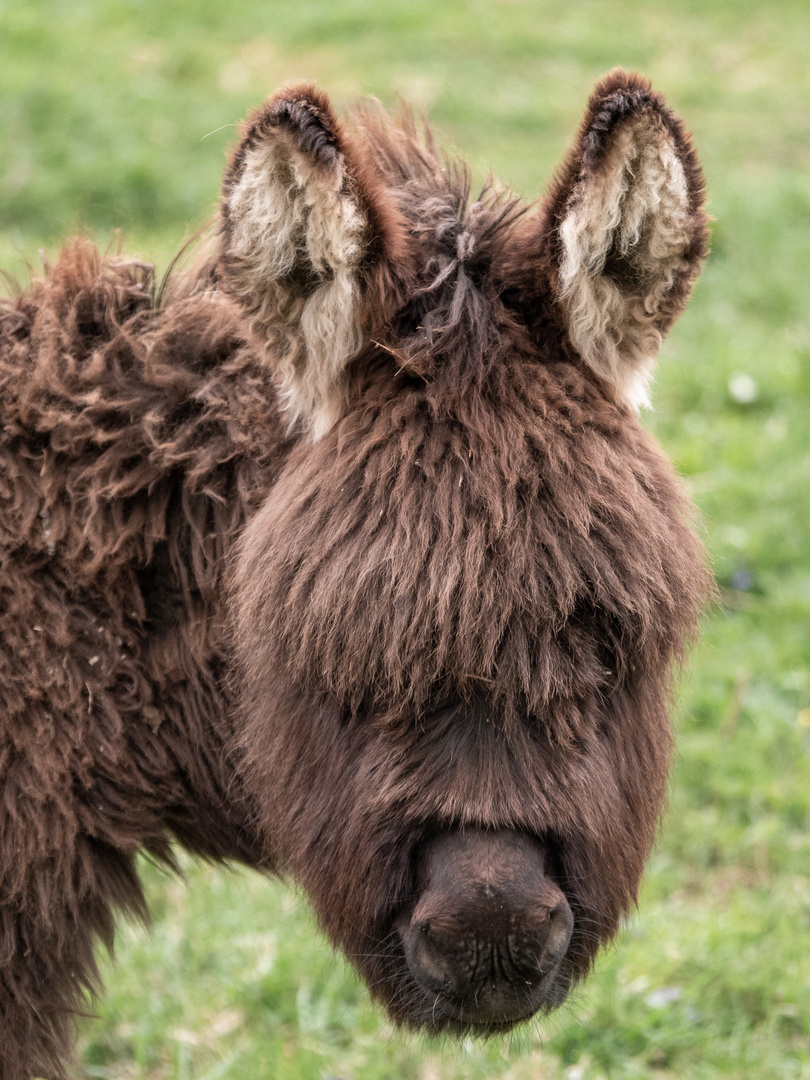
point(306, 234)
point(626, 231)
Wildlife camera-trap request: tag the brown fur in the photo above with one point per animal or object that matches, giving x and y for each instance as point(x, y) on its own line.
point(457, 608)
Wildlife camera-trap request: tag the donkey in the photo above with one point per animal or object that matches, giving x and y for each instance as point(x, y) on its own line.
point(344, 555)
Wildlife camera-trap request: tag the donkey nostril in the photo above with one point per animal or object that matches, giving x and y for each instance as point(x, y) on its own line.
point(561, 927)
point(429, 960)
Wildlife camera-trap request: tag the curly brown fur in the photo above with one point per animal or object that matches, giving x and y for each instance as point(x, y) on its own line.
point(338, 545)
point(135, 442)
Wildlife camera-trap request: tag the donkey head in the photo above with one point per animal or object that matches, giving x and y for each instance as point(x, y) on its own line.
point(455, 614)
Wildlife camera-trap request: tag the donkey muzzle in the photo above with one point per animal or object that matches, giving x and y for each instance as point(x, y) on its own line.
point(490, 928)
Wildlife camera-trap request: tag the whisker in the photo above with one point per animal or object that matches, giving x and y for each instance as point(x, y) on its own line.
point(216, 130)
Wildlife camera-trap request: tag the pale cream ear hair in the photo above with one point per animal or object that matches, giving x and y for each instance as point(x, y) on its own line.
point(298, 238)
point(635, 208)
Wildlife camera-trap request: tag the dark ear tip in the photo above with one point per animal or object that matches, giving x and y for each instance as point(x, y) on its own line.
point(306, 114)
point(618, 95)
point(619, 81)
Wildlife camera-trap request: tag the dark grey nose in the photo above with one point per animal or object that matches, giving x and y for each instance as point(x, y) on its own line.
point(490, 928)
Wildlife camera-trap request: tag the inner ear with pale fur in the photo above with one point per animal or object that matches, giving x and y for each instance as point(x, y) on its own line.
point(308, 244)
point(626, 232)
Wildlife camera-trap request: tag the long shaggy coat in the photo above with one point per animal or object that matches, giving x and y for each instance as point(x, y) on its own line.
point(343, 544)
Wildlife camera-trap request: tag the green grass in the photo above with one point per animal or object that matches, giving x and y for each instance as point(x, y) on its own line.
point(118, 115)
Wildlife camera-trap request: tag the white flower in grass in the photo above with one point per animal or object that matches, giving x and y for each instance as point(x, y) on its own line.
point(742, 388)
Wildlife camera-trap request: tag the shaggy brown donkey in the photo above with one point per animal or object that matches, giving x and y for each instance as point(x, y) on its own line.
point(347, 557)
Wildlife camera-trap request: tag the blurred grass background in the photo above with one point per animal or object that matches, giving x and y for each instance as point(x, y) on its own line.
point(117, 115)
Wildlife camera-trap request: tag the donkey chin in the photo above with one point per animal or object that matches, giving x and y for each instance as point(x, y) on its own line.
point(487, 937)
